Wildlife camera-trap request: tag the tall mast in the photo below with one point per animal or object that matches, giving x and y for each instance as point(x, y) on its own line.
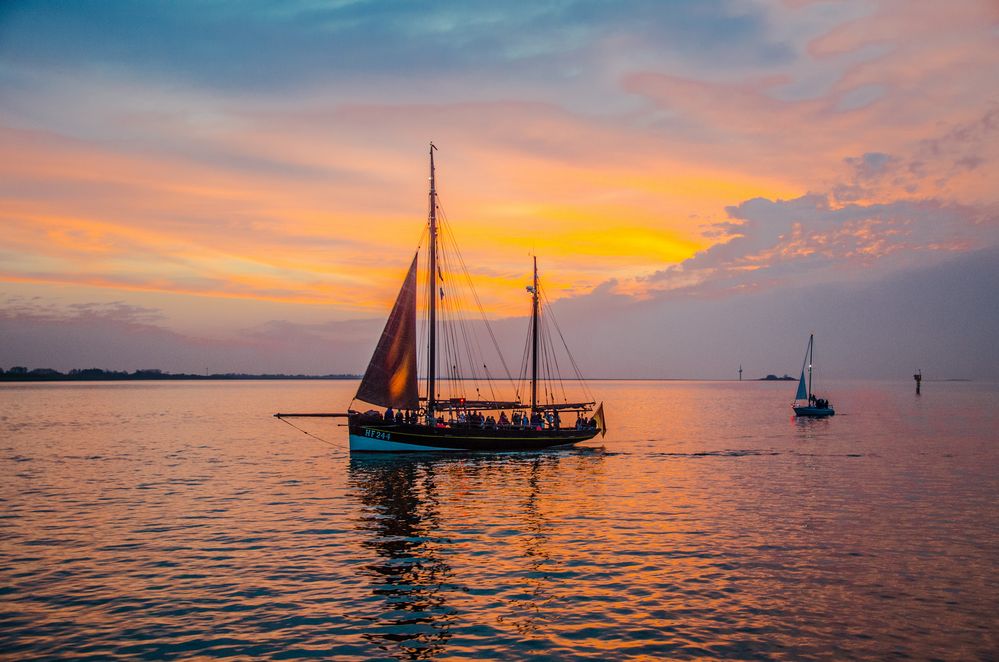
point(432, 353)
point(534, 340)
point(811, 345)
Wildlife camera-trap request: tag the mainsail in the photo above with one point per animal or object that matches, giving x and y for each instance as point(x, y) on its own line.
point(390, 380)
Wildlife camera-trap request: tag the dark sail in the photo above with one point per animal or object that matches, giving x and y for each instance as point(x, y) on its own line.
point(390, 380)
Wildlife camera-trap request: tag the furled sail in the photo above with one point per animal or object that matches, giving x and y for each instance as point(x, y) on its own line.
point(802, 393)
point(390, 380)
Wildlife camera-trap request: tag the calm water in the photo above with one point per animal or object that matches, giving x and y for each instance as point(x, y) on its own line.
point(177, 520)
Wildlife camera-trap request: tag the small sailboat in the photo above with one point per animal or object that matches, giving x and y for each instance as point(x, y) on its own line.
point(812, 406)
point(450, 413)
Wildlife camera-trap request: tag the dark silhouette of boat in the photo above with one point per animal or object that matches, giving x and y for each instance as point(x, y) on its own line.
point(813, 407)
point(447, 416)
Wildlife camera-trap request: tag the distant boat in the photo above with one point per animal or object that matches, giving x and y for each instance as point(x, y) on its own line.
point(813, 407)
point(449, 415)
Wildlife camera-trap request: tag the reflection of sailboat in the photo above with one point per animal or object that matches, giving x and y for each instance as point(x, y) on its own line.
point(436, 526)
point(407, 570)
point(812, 407)
point(449, 416)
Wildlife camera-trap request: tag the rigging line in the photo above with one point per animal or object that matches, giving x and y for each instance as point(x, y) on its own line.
point(478, 303)
point(545, 366)
point(547, 348)
point(421, 346)
point(461, 327)
point(556, 375)
point(522, 375)
point(448, 235)
point(446, 301)
point(558, 371)
point(426, 328)
point(463, 348)
point(451, 304)
point(543, 372)
point(553, 373)
point(572, 359)
point(445, 385)
point(466, 331)
point(449, 343)
point(328, 443)
point(476, 353)
point(456, 388)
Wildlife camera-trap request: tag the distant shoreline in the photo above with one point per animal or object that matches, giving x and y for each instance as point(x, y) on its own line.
point(131, 377)
point(154, 376)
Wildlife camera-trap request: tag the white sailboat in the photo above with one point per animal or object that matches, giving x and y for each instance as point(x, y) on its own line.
point(812, 406)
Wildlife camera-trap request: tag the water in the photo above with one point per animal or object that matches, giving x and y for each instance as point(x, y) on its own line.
point(163, 520)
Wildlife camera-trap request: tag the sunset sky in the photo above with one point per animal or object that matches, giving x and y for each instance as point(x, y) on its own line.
point(226, 186)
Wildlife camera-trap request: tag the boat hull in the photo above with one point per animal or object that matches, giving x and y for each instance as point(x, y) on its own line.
point(814, 412)
point(390, 438)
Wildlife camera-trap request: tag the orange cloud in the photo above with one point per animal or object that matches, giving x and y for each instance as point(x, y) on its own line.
point(320, 201)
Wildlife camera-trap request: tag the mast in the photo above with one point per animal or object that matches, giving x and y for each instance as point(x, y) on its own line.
point(534, 339)
point(432, 353)
point(811, 346)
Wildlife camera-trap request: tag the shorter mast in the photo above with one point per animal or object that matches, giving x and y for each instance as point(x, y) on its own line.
point(534, 339)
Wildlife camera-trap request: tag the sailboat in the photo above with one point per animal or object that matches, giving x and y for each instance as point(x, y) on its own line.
point(450, 413)
point(813, 407)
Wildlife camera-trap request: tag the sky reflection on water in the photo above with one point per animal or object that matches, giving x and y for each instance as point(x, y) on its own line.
point(162, 521)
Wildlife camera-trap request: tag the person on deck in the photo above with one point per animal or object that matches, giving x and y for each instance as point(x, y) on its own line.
point(389, 416)
point(504, 422)
point(398, 417)
point(516, 419)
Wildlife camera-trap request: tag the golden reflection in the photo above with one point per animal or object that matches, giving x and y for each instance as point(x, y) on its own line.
point(527, 614)
point(407, 570)
point(417, 511)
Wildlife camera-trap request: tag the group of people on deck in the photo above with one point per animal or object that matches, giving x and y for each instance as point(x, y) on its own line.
point(536, 420)
point(818, 403)
point(399, 417)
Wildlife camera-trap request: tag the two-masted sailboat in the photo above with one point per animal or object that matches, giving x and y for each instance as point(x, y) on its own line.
point(459, 409)
point(805, 403)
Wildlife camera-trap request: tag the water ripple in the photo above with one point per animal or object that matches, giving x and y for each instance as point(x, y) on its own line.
point(187, 526)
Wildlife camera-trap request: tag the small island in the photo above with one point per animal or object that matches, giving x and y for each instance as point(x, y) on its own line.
point(775, 378)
